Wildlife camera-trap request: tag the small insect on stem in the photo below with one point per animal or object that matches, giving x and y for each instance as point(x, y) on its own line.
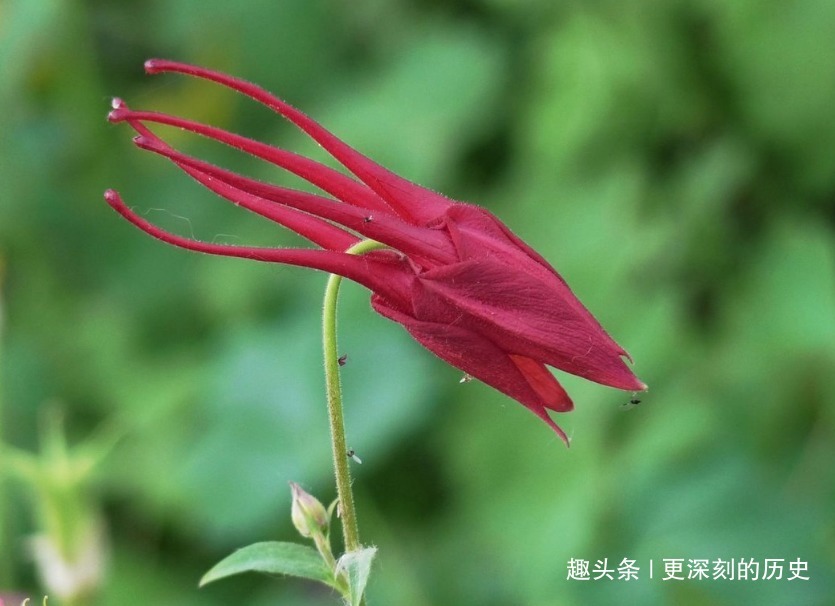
point(353, 455)
point(466, 378)
point(341, 360)
point(368, 219)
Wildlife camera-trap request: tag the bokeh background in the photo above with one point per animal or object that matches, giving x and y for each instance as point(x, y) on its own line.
point(674, 160)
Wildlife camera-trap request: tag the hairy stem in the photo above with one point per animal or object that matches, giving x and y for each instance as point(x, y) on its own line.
point(5, 534)
point(342, 471)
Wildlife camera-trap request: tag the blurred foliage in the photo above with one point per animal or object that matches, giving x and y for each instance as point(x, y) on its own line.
point(675, 161)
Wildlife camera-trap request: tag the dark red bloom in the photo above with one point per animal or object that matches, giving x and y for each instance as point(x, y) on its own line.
point(453, 275)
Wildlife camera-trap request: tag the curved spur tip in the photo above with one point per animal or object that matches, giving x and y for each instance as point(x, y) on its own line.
point(151, 66)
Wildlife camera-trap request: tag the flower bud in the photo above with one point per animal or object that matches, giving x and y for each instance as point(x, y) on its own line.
point(309, 515)
point(75, 576)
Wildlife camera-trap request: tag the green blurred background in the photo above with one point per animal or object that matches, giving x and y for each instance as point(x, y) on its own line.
point(674, 160)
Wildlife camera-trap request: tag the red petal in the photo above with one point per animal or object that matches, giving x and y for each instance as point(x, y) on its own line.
point(517, 377)
point(476, 223)
point(478, 233)
point(544, 383)
point(524, 315)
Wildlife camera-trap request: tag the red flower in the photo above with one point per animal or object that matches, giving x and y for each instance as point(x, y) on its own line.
point(453, 275)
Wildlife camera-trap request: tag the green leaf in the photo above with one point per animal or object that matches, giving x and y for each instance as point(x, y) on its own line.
point(274, 557)
point(357, 566)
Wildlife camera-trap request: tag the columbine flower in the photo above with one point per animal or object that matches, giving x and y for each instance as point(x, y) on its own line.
point(462, 284)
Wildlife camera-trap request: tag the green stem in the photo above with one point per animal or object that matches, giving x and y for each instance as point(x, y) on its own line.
point(5, 531)
point(348, 514)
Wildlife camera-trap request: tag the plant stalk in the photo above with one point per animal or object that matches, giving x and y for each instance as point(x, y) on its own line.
point(350, 531)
